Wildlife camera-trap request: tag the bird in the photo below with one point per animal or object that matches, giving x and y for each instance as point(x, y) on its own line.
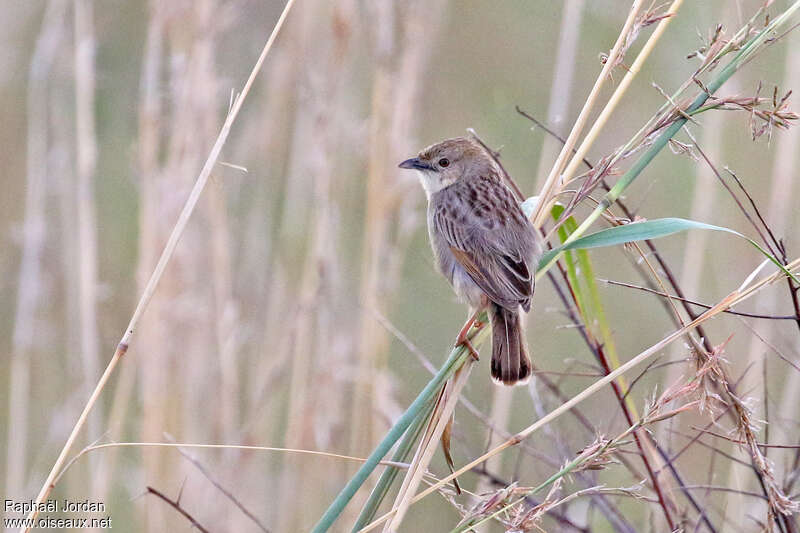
point(483, 244)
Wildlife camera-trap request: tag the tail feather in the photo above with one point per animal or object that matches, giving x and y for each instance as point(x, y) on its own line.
point(510, 362)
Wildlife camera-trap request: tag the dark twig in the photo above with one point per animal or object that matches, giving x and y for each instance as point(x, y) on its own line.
point(793, 288)
point(727, 489)
point(222, 489)
point(175, 504)
point(754, 206)
point(693, 302)
point(639, 376)
point(689, 497)
point(742, 208)
point(737, 441)
point(697, 440)
point(771, 346)
point(550, 132)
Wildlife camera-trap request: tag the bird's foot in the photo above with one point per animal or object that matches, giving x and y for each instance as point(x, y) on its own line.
point(464, 341)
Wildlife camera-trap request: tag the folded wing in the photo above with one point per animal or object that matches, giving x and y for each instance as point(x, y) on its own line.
point(491, 239)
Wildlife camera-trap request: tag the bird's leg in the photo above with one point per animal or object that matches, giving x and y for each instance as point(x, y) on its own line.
point(463, 340)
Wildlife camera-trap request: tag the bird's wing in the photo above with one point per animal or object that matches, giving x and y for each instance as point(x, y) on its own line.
point(491, 239)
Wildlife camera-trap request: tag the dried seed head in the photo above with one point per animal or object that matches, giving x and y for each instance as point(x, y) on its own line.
point(598, 455)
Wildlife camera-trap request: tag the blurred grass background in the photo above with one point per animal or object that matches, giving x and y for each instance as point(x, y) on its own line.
point(265, 330)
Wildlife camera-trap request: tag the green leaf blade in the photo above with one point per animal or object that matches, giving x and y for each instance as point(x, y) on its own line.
point(633, 232)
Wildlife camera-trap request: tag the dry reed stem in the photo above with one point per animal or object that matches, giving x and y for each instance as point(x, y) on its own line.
point(166, 255)
point(178, 445)
point(732, 299)
point(619, 92)
point(428, 446)
point(554, 178)
point(280, 83)
point(267, 133)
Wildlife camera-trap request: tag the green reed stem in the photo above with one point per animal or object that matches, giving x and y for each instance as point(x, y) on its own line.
point(388, 476)
point(457, 357)
point(745, 53)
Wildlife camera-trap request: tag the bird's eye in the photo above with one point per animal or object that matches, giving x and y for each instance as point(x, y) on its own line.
point(444, 162)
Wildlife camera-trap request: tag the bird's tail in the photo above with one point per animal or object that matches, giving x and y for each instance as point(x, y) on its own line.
point(510, 362)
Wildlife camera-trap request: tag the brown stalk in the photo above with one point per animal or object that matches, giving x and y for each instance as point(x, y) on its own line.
point(224, 491)
point(176, 504)
point(695, 303)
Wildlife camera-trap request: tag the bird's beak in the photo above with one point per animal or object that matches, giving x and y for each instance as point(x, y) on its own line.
point(415, 163)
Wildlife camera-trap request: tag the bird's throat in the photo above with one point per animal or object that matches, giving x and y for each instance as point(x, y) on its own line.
point(431, 182)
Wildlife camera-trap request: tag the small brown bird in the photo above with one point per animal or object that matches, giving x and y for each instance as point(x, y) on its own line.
point(483, 244)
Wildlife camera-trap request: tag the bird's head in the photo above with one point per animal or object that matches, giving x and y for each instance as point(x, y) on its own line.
point(446, 162)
